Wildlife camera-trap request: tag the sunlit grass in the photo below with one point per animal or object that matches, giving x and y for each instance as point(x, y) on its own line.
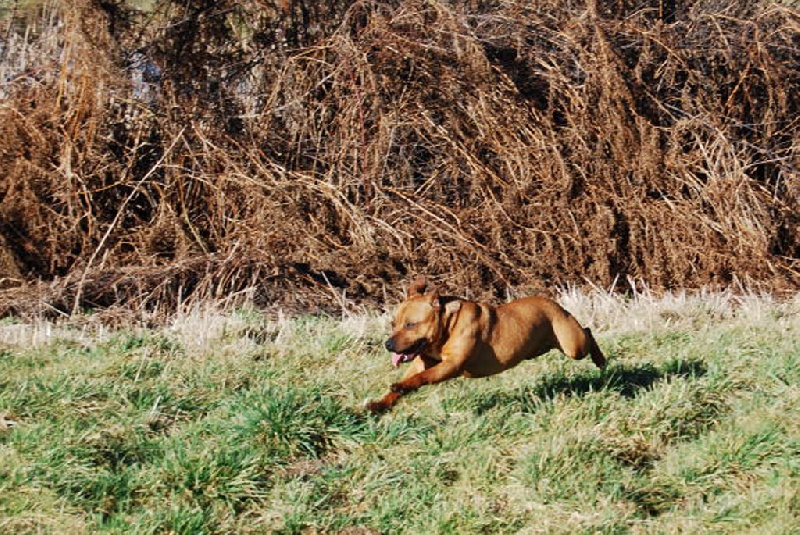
point(238, 422)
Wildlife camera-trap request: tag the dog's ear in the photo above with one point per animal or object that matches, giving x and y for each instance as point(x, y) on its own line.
point(418, 286)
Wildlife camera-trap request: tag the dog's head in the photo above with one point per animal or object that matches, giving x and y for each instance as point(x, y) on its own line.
point(417, 324)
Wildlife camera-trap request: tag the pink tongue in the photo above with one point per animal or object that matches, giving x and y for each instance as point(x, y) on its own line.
point(397, 359)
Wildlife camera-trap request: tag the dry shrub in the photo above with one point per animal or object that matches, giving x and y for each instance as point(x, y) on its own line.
point(313, 150)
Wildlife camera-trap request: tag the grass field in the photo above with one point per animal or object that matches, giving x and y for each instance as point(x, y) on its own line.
point(242, 423)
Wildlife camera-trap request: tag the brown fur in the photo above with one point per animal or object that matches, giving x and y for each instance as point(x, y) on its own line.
point(449, 337)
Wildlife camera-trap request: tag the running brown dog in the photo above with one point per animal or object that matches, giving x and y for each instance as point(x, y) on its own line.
point(445, 337)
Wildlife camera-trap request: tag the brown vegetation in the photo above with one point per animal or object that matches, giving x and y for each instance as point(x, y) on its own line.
point(314, 150)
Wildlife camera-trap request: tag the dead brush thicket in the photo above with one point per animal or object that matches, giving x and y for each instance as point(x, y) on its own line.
point(304, 151)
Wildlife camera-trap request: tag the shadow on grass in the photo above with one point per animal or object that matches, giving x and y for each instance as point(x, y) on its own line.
point(627, 379)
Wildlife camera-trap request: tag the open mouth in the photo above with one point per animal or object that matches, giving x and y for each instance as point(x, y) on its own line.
point(409, 354)
point(402, 358)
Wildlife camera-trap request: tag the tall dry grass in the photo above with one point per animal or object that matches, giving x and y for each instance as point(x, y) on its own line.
point(311, 152)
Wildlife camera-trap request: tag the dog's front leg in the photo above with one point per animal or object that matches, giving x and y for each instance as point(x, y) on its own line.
point(420, 364)
point(435, 374)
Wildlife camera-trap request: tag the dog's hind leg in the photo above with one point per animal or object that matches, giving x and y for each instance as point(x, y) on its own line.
point(594, 350)
point(576, 342)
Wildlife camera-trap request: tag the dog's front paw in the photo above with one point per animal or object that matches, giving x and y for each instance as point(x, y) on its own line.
point(376, 407)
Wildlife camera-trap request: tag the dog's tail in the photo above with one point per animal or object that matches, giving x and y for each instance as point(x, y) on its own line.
point(594, 350)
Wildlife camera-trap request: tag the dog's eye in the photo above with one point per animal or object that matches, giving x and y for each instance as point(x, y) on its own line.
point(410, 325)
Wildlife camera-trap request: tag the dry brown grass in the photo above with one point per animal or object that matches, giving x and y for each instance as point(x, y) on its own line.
point(311, 154)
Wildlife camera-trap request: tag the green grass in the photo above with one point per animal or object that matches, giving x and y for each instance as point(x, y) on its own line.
point(237, 423)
